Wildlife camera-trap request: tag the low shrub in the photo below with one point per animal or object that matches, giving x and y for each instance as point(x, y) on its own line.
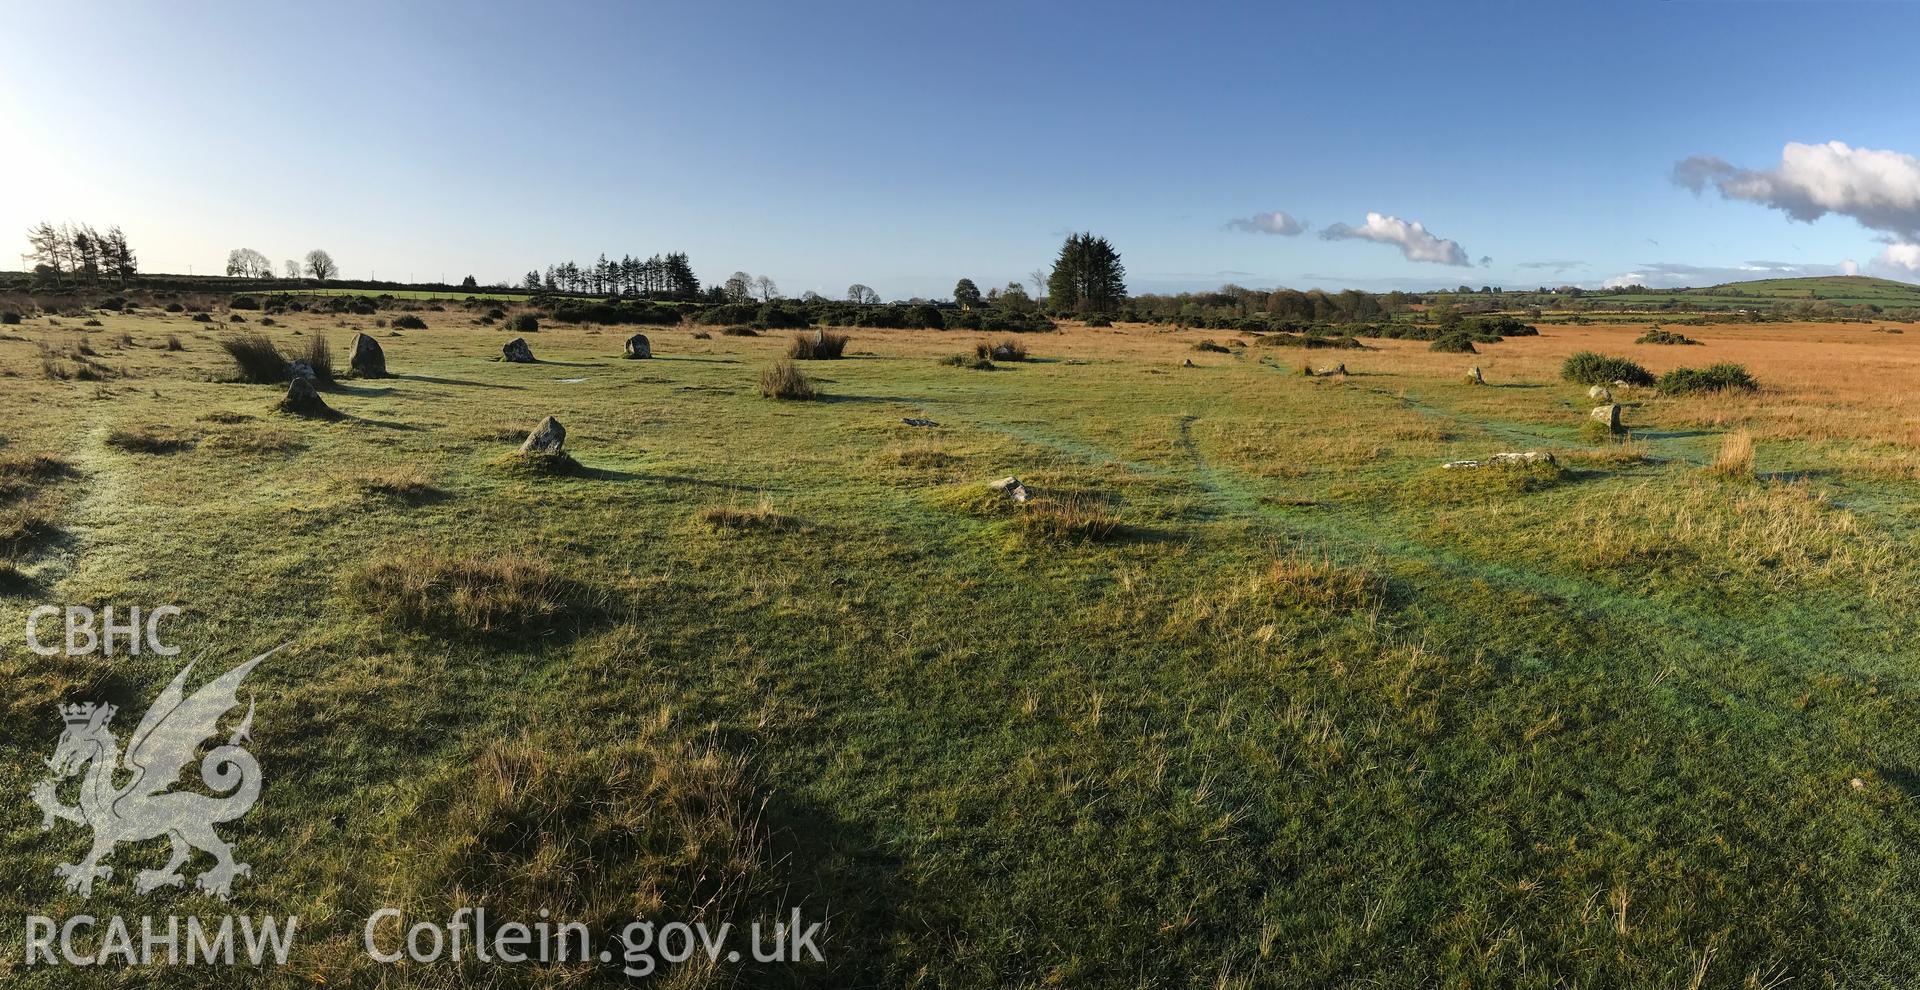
point(821, 345)
point(203, 317)
point(408, 484)
point(1006, 349)
point(784, 381)
point(1723, 377)
point(409, 322)
point(1590, 368)
point(174, 307)
point(739, 332)
point(1099, 321)
point(1208, 346)
point(1071, 519)
point(1453, 343)
point(9, 318)
point(760, 517)
point(523, 323)
point(244, 302)
point(1659, 336)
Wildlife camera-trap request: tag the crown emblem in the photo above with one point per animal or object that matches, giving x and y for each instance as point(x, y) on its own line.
point(86, 713)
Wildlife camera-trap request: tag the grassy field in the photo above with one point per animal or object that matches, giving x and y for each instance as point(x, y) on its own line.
point(1844, 290)
point(420, 294)
point(1253, 693)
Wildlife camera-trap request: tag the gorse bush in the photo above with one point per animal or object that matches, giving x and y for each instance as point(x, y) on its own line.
point(820, 346)
point(1659, 336)
point(524, 323)
point(1722, 377)
point(255, 358)
point(1590, 368)
point(409, 322)
point(1453, 343)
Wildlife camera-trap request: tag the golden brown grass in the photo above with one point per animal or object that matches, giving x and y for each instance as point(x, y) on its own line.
point(1735, 458)
point(734, 518)
point(403, 482)
point(1071, 518)
point(784, 381)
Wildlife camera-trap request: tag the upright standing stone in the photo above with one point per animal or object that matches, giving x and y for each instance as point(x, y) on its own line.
point(1473, 377)
point(303, 400)
point(1608, 414)
point(639, 347)
point(517, 351)
point(545, 438)
point(368, 360)
point(1600, 392)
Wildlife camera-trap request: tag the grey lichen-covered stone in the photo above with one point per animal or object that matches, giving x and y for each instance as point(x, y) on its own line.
point(1011, 487)
point(516, 351)
point(547, 438)
point(368, 360)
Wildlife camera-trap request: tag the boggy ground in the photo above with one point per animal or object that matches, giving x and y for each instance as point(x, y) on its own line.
point(1251, 695)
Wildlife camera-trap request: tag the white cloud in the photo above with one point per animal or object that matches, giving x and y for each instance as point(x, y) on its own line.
point(1411, 237)
point(1901, 256)
point(1880, 189)
point(1278, 222)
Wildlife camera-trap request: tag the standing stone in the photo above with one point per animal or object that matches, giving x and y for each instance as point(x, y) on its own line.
point(639, 347)
point(1473, 377)
point(517, 351)
point(303, 400)
point(1608, 414)
point(298, 368)
point(368, 360)
point(1003, 352)
point(1600, 392)
point(545, 438)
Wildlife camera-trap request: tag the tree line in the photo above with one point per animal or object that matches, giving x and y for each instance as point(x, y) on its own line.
point(80, 252)
point(667, 276)
point(248, 263)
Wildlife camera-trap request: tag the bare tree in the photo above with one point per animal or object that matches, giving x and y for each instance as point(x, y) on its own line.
point(320, 266)
point(739, 287)
point(248, 263)
point(293, 268)
point(765, 287)
point(1039, 279)
point(861, 294)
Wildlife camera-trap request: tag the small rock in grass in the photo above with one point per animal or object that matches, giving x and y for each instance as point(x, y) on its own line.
point(1011, 487)
point(1600, 392)
point(910, 421)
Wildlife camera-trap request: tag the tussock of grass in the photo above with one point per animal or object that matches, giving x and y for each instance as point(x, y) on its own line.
point(408, 484)
point(784, 381)
point(540, 463)
point(256, 360)
point(972, 361)
point(760, 517)
point(1735, 457)
point(24, 526)
point(1482, 483)
point(824, 345)
point(22, 472)
point(149, 440)
point(1209, 347)
point(1071, 518)
point(739, 332)
point(600, 832)
point(250, 440)
point(433, 591)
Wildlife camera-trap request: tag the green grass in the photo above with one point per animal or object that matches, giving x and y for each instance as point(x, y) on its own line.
point(1846, 290)
point(1272, 701)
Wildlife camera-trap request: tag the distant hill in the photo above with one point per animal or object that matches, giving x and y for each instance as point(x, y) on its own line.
point(1840, 290)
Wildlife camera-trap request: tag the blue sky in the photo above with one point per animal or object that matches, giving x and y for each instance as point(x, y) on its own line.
point(904, 145)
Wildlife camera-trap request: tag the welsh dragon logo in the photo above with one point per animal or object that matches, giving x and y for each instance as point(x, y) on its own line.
point(146, 806)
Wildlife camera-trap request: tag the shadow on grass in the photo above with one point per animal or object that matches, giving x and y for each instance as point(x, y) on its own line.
point(432, 380)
